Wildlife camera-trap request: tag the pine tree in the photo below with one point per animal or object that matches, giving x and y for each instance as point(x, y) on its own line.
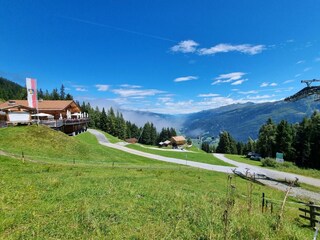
point(62, 92)
point(267, 139)
point(284, 140)
point(103, 120)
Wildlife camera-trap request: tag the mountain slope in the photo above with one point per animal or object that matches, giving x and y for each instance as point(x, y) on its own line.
point(245, 120)
point(11, 90)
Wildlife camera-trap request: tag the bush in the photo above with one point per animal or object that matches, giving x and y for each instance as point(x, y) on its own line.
point(269, 162)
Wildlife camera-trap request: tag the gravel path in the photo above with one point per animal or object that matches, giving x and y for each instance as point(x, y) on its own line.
point(242, 167)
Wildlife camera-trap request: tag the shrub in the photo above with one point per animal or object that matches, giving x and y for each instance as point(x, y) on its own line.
point(269, 162)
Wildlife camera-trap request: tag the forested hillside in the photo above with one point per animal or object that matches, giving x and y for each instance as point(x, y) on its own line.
point(11, 90)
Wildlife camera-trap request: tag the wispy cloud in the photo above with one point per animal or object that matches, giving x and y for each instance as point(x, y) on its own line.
point(288, 81)
point(297, 75)
point(229, 77)
point(136, 92)
point(266, 84)
point(81, 89)
point(249, 92)
point(165, 99)
point(224, 48)
point(300, 62)
point(239, 82)
point(208, 95)
point(187, 46)
point(130, 86)
point(317, 59)
point(260, 97)
point(102, 87)
point(307, 69)
point(187, 78)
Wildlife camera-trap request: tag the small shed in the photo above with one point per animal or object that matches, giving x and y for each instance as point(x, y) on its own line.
point(177, 141)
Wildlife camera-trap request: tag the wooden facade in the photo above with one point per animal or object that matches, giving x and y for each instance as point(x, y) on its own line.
point(178, 141)
point(59, 109)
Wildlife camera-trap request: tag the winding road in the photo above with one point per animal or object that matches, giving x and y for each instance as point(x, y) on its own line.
point(271, 175)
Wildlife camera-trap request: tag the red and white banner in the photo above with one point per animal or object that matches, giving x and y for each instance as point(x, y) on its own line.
point(32, 92)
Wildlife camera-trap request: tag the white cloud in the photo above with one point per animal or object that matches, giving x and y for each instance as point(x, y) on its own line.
point(187, 46)
point(208, 95)
point(265, 84)
point(81, 89)
point(136, 92)
point(317, 59)
point(223, 48)
point(260, 97)
point(187, 78)
point(297, 75)
point(229, 77)
point(288, 81)
point(249, 92)
point(130, 86)
point(301, 61)
point(238, 82)
point(102, 87)
point(307, 69)
point(165, 99)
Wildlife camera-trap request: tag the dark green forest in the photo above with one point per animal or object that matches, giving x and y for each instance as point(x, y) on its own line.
point(299, 143)
point(12, 91)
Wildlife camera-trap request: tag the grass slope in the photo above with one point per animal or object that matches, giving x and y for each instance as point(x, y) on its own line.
point(196, 155)
point(288, 167)
point(42, 143)
point(54, 201)
point(138, 199)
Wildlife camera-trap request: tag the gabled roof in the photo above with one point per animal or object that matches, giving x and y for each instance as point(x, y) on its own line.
point(42, 105)
point(178, 138)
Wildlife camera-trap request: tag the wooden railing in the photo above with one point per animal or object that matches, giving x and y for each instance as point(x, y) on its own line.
point(313, 212)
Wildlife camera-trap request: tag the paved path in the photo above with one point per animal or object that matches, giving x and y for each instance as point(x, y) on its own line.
point(240, 167)
point(273, 174)
point(104, 141)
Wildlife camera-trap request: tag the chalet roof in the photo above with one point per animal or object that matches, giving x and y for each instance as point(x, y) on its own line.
point(178, 138)
point(42, 105)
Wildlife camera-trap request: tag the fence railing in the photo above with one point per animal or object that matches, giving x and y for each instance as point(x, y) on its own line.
point(313, 212)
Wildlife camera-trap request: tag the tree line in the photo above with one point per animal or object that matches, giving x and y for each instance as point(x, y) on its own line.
point(114, 123)
point(10, 91)
point(55, 94)
point(299, 143)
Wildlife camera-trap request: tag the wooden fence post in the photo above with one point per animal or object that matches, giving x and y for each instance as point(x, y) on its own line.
point(263, 201)
point(312, 214)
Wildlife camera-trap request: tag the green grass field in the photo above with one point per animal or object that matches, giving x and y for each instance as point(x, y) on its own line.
point(288, 167)
point(196, 155)
point(138, 198)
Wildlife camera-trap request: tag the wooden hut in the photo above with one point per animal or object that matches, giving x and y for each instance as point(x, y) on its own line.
point(177, 141)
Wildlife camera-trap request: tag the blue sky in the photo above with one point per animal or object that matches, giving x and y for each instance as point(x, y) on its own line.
point(162, 56)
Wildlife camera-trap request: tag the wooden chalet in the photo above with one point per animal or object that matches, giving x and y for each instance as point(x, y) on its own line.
point(62, 115)
point(177, 141)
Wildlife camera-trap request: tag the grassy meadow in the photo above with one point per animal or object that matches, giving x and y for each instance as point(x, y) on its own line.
point(137, 198)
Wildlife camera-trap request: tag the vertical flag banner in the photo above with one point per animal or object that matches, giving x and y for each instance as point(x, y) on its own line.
point(32, 92)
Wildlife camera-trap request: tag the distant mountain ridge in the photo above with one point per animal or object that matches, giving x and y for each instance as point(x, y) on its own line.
point(244, 120)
